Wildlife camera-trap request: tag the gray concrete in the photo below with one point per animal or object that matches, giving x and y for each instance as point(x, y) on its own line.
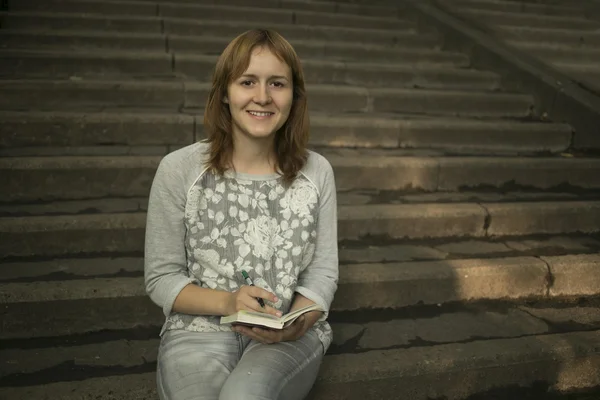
point(375, 254)
point(63, 207)
point(569, 360)
point(519, 6)
point(82, 268)
point(574, 275)
point(61, 39)
point(420, 221)
point(447, 328)
point(556, 95)
point(546, 217)
point(61, 21)
point(463, 369)
point(71, 128)
point(436, 282)
point(532, 20)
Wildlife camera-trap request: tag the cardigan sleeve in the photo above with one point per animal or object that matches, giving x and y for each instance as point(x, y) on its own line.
point(165, 270)
point(318, 282)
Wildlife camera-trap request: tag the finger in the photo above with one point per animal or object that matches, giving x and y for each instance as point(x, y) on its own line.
point(246, 331)
point(255, 291)
point(271, 310)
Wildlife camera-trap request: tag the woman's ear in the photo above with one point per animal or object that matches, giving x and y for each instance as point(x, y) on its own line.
point(225, 100)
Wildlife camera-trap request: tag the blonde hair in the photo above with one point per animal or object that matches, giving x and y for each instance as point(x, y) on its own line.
point(291, 139)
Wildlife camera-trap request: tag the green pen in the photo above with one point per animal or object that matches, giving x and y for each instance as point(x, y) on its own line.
point(250, 283)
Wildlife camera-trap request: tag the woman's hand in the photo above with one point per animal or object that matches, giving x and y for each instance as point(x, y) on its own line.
point(246, 299)
point(269, 336)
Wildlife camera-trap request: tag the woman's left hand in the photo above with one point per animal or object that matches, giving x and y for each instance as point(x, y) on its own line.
point(269, 336)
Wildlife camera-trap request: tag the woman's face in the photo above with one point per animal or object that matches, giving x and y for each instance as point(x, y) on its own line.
point(261, 99)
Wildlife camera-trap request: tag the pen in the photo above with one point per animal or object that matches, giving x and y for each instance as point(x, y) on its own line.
point(250, 283)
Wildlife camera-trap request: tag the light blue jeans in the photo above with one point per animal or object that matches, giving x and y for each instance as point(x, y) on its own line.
point(230, 366)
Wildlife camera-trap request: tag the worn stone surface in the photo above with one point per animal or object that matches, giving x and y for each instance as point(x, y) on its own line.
point(434, 282)
point(568, 243)
point(449, 328)
point(376, 254)
point(411, 221)
point(73, 128)
point(589, 317)
point(73, 268)
point(75, 207)
point(473, 247)
point(543, 217)
point(575, 275)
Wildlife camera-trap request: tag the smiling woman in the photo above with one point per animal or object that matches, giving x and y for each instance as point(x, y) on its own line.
point(257, 91)
point(250, 200)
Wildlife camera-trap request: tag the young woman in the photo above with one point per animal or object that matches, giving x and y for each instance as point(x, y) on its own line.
point(251, 197)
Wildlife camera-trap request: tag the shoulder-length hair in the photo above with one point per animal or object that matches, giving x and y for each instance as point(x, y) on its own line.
point(291, 139)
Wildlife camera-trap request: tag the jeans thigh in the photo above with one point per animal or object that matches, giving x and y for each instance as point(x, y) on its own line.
point(194, 365)
point(277, 371)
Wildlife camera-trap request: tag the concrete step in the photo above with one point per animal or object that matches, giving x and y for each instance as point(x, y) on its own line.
point(33, 179)
point(219, 11)
point(409, 48)
point(390, 285)
point(123, 233)
point(63, 64)
point(519, 7)
point(99, 95)
point(560, 53)
point(299, 5)
point(82, 40)
point(564, 37)
point(208, 27)
point(505, 194)
point(30, 133)
point(361, 286)
point(350, 253)
point(529, 20)
point(230, 29)
point(498, 342)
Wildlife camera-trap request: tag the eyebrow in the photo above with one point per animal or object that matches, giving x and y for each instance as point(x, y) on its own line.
point(271, 77)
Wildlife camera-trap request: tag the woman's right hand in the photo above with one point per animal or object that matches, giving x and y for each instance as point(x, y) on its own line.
point(246, 299)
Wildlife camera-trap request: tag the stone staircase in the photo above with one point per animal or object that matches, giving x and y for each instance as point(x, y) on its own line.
point(564, 33)
point(468, 224)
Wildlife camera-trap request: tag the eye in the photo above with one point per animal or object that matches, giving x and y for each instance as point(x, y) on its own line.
point(278, 84)
point(246, 83)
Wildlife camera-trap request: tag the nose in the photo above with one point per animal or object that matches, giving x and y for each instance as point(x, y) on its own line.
point(262, 95)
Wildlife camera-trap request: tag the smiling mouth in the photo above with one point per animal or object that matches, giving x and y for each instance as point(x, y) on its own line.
point(260, 113)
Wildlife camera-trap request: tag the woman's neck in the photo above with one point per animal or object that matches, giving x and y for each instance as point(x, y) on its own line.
point(253, 156)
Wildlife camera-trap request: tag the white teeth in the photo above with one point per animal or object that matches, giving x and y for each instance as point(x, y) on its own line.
point(260, 114)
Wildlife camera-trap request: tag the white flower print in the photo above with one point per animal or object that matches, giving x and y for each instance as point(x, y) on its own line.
point(300, 198)
point(262, 234)
point(243, 200)
point(196, 204)
point(209, 258)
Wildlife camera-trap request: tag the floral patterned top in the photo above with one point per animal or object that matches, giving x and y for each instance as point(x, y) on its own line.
point(204, 229)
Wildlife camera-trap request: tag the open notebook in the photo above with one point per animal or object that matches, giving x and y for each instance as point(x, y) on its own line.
point(270, 321)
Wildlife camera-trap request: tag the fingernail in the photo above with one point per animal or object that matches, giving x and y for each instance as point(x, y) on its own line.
point(275, 299)
point(279, 314)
